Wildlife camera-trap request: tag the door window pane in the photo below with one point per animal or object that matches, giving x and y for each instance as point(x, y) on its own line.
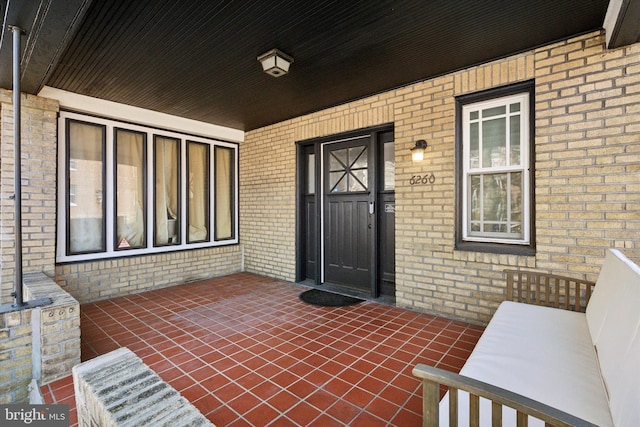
point(86, 181)
point(224, 193)
point(198, 192)
point(338, 182)
point(311, 173)
point(130, 193)
point(389, 166)
point(348, 169)
point(166, 191)
point(358, 157)
point(358, 180)
point(338, 160)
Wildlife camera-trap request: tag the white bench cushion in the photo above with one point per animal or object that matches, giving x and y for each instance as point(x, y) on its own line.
point(613, 316)
point(542, 353)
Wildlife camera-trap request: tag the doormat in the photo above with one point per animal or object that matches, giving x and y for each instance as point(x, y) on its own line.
point(327, 299)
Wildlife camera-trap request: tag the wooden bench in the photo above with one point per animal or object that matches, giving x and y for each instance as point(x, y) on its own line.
point(565, 353)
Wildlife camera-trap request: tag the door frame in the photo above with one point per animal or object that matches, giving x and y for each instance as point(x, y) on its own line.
point(302, 150)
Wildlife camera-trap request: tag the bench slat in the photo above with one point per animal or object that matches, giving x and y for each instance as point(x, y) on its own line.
point(453, 407)
point(433, 378)
point(496, 414)
point(551, 290)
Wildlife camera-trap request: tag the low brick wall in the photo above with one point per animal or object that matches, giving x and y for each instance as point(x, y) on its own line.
point(118, 389)
point(104, 279)
point(41, 343)
point(56, 329)
point(15, 356)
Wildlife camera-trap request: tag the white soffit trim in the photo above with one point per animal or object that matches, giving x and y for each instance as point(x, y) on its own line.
point(100, 107)
point(610, 23)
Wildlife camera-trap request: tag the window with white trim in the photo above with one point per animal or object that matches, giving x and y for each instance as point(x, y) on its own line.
point(495, 166)
point(126, 189)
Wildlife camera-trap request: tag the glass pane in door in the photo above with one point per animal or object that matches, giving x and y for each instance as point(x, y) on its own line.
point(389, 166)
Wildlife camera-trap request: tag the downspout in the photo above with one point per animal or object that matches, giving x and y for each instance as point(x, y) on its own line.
point(17, 293)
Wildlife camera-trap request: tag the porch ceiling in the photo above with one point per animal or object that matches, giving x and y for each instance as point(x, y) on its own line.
point(198, 59)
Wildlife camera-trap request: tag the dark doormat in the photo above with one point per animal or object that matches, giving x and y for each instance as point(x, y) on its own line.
point(327, 299)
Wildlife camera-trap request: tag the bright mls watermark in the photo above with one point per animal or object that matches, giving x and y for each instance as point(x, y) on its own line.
point(34, 415)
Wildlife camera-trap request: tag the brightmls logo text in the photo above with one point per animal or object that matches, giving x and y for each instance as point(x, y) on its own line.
point(34, 415)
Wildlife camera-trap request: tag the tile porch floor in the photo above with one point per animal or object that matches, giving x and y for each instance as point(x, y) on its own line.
point(247, 352)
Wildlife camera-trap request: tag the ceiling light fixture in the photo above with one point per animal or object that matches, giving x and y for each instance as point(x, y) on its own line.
point(417, 152)
point(275, 62)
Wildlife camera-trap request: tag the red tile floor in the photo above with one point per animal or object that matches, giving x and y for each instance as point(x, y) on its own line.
point(247, 352)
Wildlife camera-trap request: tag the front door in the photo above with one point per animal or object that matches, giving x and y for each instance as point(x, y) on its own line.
point(349, 218)
point(346, 211)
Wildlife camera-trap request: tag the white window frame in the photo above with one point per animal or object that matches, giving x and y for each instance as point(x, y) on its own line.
point(523, 167)
point(109, 197)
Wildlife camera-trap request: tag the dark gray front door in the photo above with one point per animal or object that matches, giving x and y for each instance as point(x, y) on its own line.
point(349, 213)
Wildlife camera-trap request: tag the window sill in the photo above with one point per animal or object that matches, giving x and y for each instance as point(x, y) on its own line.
point(159, 250)
point(496, 248)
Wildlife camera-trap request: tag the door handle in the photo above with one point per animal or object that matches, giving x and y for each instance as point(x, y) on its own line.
point(372, 208)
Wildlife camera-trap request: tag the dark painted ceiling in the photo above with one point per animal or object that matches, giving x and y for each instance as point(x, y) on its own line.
point(197, 59)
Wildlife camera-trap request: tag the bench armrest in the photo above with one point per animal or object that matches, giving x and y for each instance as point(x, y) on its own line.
point(549, 290)
point(433, 377)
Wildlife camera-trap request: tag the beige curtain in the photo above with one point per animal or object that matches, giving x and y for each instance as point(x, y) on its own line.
point(86, 214)
point(198, 191)
point(130, 232)
point(223, 193)
point(167, 224)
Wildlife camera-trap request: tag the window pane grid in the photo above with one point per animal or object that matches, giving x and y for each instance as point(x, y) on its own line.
point(144, 202)
point(494, 145)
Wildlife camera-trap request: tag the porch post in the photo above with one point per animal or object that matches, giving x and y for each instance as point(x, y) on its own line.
point(17, 293)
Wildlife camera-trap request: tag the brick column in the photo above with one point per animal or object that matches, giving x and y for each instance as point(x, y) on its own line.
point(39, 129)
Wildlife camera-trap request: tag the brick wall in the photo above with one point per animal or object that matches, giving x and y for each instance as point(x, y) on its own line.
point(15, 356)
point(97, 280)
point(588, 153)
point(41, 343)
point(39, 153)
point(55, 329)
point(587, 180)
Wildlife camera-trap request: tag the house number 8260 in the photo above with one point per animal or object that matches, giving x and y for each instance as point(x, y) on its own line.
point(429, 178)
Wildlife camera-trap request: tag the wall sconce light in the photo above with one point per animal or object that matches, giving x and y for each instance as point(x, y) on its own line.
point(417, 152)
point(275, 62)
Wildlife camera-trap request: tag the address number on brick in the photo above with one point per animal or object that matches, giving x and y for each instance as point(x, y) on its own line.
point(429, 178)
